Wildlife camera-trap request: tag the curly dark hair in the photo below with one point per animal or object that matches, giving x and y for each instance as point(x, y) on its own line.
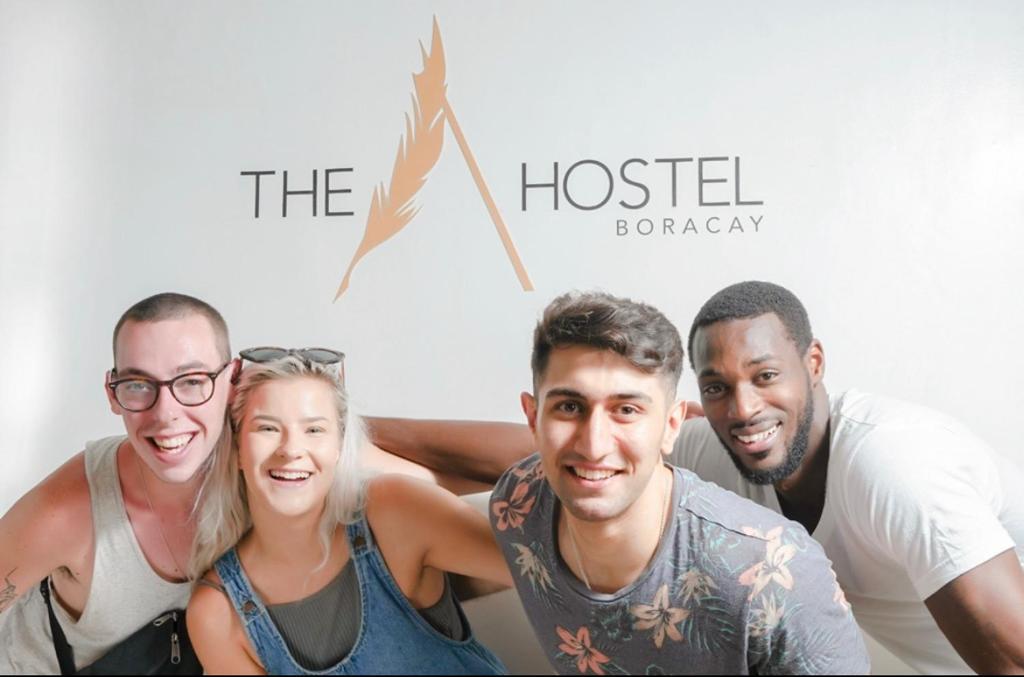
point(751, 299)
point(638, 332)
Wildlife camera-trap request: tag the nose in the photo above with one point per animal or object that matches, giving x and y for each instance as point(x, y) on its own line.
point(745, 404)
point(595, 438)
point(289, 446)
point(166, 408)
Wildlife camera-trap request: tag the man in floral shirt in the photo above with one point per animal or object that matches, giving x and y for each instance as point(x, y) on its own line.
point(648, 569)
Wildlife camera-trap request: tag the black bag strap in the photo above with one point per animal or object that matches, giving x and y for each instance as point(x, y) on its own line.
point(65, 655)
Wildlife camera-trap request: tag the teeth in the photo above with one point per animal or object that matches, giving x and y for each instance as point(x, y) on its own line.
point(748, 439)
point(289, 474)
point(171, 443)
point(593, 475)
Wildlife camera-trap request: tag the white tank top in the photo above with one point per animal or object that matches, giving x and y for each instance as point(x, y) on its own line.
point(125, 595)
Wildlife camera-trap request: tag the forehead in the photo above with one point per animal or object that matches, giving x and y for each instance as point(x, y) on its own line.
point(297, 397)
point(740, 341)
point(164, 346)
point(596, 373)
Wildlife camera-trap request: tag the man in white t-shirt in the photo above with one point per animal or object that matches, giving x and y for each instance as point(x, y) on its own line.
point(923, 522)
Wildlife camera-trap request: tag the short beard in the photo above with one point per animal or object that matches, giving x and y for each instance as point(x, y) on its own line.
point(794, 452)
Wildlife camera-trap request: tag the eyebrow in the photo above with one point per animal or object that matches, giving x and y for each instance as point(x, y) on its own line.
point(308, 419)
point(191, 366)
point(182, 369)
point(761, 359)
point(569, 392)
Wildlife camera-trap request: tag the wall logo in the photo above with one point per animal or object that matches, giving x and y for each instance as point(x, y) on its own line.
point(665, 194)
point(419, 149)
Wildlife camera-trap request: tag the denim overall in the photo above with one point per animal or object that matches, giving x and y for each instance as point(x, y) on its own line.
point(393, 637)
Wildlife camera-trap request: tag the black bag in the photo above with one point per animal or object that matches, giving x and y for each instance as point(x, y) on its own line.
point(161, 647)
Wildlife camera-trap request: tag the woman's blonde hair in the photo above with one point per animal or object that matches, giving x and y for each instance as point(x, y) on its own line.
point(223, 509)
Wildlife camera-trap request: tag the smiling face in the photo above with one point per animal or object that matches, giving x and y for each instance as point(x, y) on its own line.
point(601, 425)
point(173, 440)
point(757, 392)
point(289, 441)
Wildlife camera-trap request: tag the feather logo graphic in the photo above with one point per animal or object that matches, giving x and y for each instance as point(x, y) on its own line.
point(419, 149)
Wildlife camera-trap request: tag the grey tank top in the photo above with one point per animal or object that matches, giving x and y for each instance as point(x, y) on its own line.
point(317, 645)
point(125, 593)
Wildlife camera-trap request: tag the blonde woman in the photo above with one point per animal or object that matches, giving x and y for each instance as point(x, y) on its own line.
point(313, 569)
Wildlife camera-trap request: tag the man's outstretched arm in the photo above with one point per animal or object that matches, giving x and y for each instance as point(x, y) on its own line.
point(981, 612)
point(479, 451)
point(474, 450)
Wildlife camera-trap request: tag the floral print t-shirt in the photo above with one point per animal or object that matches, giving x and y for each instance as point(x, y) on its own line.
point(733, 588)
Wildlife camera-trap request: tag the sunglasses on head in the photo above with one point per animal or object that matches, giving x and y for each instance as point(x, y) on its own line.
point(324, 356)
point(270, 353)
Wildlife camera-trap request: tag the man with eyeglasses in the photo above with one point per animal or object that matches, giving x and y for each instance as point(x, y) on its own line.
point(109, 533)
point(107, 536)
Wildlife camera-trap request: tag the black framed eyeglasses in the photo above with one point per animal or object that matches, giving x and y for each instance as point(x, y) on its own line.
point(324, 356)
point(138, 393)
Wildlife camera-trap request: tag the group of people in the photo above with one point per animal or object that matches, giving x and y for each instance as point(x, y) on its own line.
point(749, 533)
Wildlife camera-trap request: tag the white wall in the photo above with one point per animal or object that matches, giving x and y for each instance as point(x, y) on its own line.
point(885, 141)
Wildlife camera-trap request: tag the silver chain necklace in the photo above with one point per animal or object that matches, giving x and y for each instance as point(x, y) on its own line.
point(159, 523)
point(576, 549)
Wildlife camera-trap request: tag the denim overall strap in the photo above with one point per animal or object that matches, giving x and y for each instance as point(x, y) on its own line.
point(360, 538)
point(395, 638)
point(259, 628)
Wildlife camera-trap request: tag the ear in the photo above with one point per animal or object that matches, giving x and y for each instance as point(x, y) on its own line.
point(236, 373)
point(815, 362)
point(114, 406)
point(529, 404)
point(693, 410)
point(676, 416)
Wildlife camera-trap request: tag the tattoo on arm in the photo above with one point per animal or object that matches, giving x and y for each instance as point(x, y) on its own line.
point(8, 594)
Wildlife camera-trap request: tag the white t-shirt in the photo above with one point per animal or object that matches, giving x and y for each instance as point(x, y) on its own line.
point(912, 501)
